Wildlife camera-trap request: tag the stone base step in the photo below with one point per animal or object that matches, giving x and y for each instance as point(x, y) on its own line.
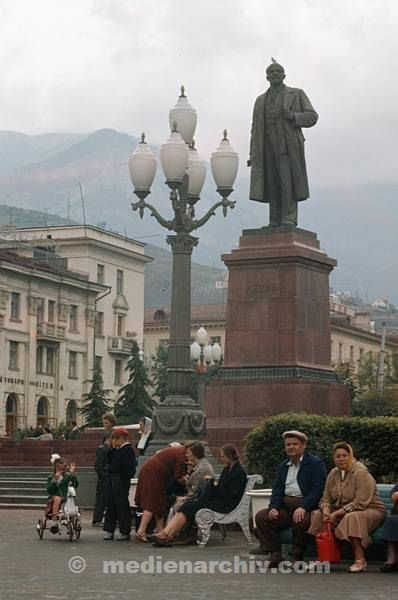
point(23, 483)
point(12, 491)
point(23, 499)
point(16, 470)
point(22, 506)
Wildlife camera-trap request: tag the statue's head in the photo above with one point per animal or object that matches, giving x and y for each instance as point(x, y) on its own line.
point(275, 73)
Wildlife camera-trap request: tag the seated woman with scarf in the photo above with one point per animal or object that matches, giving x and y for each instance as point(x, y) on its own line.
point(350, 503)
point(221, 496)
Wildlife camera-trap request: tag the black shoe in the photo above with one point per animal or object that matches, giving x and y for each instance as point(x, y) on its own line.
point(389, 567)
point(275, 560)
point(259, 552)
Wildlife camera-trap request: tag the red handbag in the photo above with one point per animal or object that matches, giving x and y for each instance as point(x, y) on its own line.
point(327, 546)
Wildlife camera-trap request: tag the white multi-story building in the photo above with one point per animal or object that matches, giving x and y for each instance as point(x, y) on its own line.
point(60, 317)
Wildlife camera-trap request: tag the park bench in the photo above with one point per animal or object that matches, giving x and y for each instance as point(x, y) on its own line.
point(384, 491)
point(205, 517)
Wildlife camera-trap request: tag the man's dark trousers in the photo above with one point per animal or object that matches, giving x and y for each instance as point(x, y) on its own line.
point(118, 507)
point(268, 530)
point(100, 497)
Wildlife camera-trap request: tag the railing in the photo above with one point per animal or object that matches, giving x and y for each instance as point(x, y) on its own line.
point(51, 330)
point(120, 345)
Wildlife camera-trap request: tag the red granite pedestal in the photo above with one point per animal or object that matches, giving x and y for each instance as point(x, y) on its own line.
point(277, 345)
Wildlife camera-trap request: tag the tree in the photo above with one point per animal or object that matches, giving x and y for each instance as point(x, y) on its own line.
point(96, 401)
point(159, 372)
point(134, 400)
point(346, 375)
point(367, 371)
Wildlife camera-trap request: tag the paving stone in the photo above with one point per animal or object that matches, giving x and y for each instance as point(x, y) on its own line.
point(31, 569)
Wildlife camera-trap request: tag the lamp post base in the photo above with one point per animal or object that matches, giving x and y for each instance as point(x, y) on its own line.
point(178, 419)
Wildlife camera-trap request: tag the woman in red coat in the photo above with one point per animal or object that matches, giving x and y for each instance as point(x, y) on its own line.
point(156, 475)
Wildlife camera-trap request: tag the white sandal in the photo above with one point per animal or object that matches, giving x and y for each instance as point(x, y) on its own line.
point(358, 566)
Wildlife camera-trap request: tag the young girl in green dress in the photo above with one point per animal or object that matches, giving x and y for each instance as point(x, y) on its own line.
point(57, 487)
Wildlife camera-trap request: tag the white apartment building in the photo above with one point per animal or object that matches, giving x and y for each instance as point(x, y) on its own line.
point(56, 323)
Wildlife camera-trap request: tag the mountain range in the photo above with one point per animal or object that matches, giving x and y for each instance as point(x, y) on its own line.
point(357, 225)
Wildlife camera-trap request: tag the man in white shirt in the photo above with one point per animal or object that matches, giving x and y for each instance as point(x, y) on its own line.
point(298, 487)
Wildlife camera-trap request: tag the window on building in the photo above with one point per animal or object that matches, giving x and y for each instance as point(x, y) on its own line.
point(120, 325)
point(99, 323)
point(352, 355)
point(361, 353)
point(40, 310)
point(159, 315)
point(51, 311)
point(98, 363)
point(13, 364)
point(119, 281)
point(341, 353)
point(39, 359)
point(215, 339)
point(73, 318)
point(100, 273)
point(118, 372)
point(42, 411)
point(50, 361)
point(72, 364)
point(15, 306)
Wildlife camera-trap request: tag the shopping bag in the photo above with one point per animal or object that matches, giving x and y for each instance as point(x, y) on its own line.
point(327, 546)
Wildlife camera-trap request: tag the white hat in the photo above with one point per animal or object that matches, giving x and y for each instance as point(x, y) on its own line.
point(296, 434)
point(54, 458)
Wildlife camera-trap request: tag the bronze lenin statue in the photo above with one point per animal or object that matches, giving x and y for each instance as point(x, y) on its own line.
point(277, 161)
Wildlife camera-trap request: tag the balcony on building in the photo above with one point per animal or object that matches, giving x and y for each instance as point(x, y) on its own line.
point(120, 344)
point(51, 331)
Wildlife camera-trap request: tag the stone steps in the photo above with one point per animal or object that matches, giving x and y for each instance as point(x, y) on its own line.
point(20, 491)
point(23, 487)
point(23, 499)
point(21, 483)
point(21, 506)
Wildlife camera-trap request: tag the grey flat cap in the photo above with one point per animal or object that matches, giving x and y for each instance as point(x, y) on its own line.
point(296, 434)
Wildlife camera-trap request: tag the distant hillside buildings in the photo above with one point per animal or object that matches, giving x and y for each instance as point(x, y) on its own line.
point(352, 334)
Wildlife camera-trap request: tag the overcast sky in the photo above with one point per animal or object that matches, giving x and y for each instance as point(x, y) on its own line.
point(81, 65)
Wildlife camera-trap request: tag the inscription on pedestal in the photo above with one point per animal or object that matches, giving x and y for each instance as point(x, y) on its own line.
point(259, 291)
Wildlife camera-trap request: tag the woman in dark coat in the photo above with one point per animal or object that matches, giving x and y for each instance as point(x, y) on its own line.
point(390, 535)
point(155, 477)
point(221, 496)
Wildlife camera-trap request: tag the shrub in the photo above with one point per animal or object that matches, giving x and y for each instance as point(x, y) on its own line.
point(374, 440)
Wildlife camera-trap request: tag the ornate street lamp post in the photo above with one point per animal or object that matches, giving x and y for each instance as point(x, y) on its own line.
point(179, 416)
point(203, 356)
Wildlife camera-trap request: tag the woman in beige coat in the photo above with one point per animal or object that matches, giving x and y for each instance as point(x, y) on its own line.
point(350, 503)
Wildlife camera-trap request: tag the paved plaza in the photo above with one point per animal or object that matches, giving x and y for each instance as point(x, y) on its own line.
point(30, 568)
